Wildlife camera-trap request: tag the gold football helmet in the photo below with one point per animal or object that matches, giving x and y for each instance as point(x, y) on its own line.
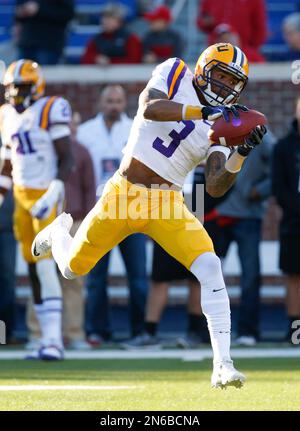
point(24, 83)
point(229, 59)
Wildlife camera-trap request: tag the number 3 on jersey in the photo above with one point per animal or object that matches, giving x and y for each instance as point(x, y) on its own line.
point(177, 137)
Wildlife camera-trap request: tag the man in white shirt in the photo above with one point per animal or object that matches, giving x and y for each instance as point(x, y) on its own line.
point(105, 136)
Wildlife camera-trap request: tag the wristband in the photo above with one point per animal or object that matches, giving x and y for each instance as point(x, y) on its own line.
point(190, 112)
point(56, 188)
point(234, 163)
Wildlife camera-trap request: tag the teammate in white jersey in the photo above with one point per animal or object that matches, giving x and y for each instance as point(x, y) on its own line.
point(36, 159)
point(167, 140)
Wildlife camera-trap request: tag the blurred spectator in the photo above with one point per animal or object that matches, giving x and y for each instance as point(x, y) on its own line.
point(286, 188)
point(148, 5)
point(8, 48)
point(105, 136)
point(42, 28)
point(114, 44)
point(291, 34)
point(238, 218)
point(247, 18)
point(161, 42)
point(80, 198)
point(224, 33)
point(7, 266)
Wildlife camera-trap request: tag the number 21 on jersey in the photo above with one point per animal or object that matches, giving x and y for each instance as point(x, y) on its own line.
point(176, 137)
point(23, 142)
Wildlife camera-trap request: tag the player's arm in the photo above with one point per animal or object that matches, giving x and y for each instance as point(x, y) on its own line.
point(156, 102)
point(56, 190)
point(59, 131)
point(60, 134)
point(157, 107)
point(217, 179)
point(220, 173)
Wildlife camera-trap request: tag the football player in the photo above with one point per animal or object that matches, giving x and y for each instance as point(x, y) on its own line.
point(167, 140)
point(36, 160)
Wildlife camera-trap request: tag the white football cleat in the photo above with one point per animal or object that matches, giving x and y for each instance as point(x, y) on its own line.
point(51, 353)
point(33, 355)
point(46, 353)
point(41, 245)
point(224, 375)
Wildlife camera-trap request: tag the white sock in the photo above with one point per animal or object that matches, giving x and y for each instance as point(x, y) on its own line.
point(51, 310)
point(49, 315)
point(47, 273)
point(61, 245)
point(53, 330)
point(214, 303)
point(41, 317)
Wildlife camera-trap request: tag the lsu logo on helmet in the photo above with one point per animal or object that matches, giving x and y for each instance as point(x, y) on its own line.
point(229, 59)
point(24, 83)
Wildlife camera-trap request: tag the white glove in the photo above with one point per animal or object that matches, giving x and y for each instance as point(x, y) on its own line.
point(54, 195)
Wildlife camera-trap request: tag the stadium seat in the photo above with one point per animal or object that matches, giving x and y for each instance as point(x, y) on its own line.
point(95, 6)
point(87, 20)
point(277, 10)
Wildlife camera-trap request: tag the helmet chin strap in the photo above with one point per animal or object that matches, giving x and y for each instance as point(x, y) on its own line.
point(228, 99)
point(209, 100)
point(21, 107)
point(212, 98)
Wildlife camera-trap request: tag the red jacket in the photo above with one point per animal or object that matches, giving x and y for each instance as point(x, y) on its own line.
point(131, 51)
point(247, 17)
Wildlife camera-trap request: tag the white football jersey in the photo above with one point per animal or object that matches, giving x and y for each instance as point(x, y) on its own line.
point(171, 148)
point(27, 140)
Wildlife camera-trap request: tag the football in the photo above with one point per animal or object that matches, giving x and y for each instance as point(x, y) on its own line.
point(234, 132)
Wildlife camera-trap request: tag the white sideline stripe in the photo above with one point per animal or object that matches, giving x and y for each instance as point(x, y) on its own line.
point(246, 353)
point(175, 292)
point(185, 355)
point(107, 354)
point(61, 388)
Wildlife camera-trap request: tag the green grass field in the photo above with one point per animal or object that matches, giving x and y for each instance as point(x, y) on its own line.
point(164, 384)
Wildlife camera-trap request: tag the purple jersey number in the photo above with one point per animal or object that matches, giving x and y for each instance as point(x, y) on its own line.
point(24, 144)
point(168, 151)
